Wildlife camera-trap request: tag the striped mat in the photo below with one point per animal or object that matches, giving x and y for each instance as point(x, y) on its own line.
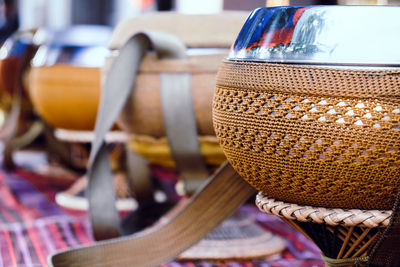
point(32, 226)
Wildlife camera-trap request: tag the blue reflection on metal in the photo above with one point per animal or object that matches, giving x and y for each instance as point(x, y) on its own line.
point(263, 22)
point(73, 55)
point(83, 46)
point(15, 46)
point(345, 35)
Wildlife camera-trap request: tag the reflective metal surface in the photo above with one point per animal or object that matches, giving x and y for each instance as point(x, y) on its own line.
point(16, 45)
point(339, 35)
point(83, 46)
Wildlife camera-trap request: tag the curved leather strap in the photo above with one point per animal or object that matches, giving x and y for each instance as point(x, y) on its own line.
point(116, 90)
point(180, 127)
point(138, 176)
point(213, 203)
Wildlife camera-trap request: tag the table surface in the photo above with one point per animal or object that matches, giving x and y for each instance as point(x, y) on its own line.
point(33, 225)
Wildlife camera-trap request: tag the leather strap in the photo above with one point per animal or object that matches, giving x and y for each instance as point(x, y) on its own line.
point(139, 177)
point(180, 127)
point(217, 200)
point(116, 90)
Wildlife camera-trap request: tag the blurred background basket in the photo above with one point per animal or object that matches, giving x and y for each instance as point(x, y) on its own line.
point(207, 45)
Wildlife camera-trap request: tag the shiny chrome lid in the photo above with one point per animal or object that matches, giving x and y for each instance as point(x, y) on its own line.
point(16, 45)
point(337, 35)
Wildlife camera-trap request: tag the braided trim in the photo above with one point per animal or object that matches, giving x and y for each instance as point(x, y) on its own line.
point(334, 217)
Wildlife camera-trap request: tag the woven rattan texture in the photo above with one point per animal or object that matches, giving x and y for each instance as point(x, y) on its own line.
point(353, 217)
point(312, 135)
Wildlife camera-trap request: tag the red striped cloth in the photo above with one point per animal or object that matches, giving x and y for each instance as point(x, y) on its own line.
point(32, 226)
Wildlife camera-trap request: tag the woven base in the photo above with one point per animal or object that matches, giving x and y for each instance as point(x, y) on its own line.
point(340, 234)
point(239, 237)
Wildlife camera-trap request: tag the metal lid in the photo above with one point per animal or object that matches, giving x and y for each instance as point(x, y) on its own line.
point(81, 45)
point(16, 45)
point(337, 35)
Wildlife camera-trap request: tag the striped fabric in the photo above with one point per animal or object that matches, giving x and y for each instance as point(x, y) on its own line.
point(32, 226)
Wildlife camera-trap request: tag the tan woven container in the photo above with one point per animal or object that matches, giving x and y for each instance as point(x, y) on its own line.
point(208, 38)
point(312, 135)
point(306, 115)
point(307, 110)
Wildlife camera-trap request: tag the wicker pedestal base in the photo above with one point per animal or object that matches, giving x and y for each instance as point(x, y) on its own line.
point(340, 234)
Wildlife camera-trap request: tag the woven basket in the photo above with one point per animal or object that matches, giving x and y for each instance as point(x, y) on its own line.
point(312, 122)
point(338, 149)
point(207, 45)
point(316, 135)
point(142, 118)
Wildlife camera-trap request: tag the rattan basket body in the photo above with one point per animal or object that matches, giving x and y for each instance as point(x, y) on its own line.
point(311, 119)
point(311, 134)
point(142, 116)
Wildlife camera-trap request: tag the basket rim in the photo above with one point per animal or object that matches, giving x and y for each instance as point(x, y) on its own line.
point(82, 136)
point(334, 217)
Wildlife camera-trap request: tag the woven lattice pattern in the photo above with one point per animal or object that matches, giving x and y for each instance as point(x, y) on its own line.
point(339, 233)
point(334, 217)
point(312, 135)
